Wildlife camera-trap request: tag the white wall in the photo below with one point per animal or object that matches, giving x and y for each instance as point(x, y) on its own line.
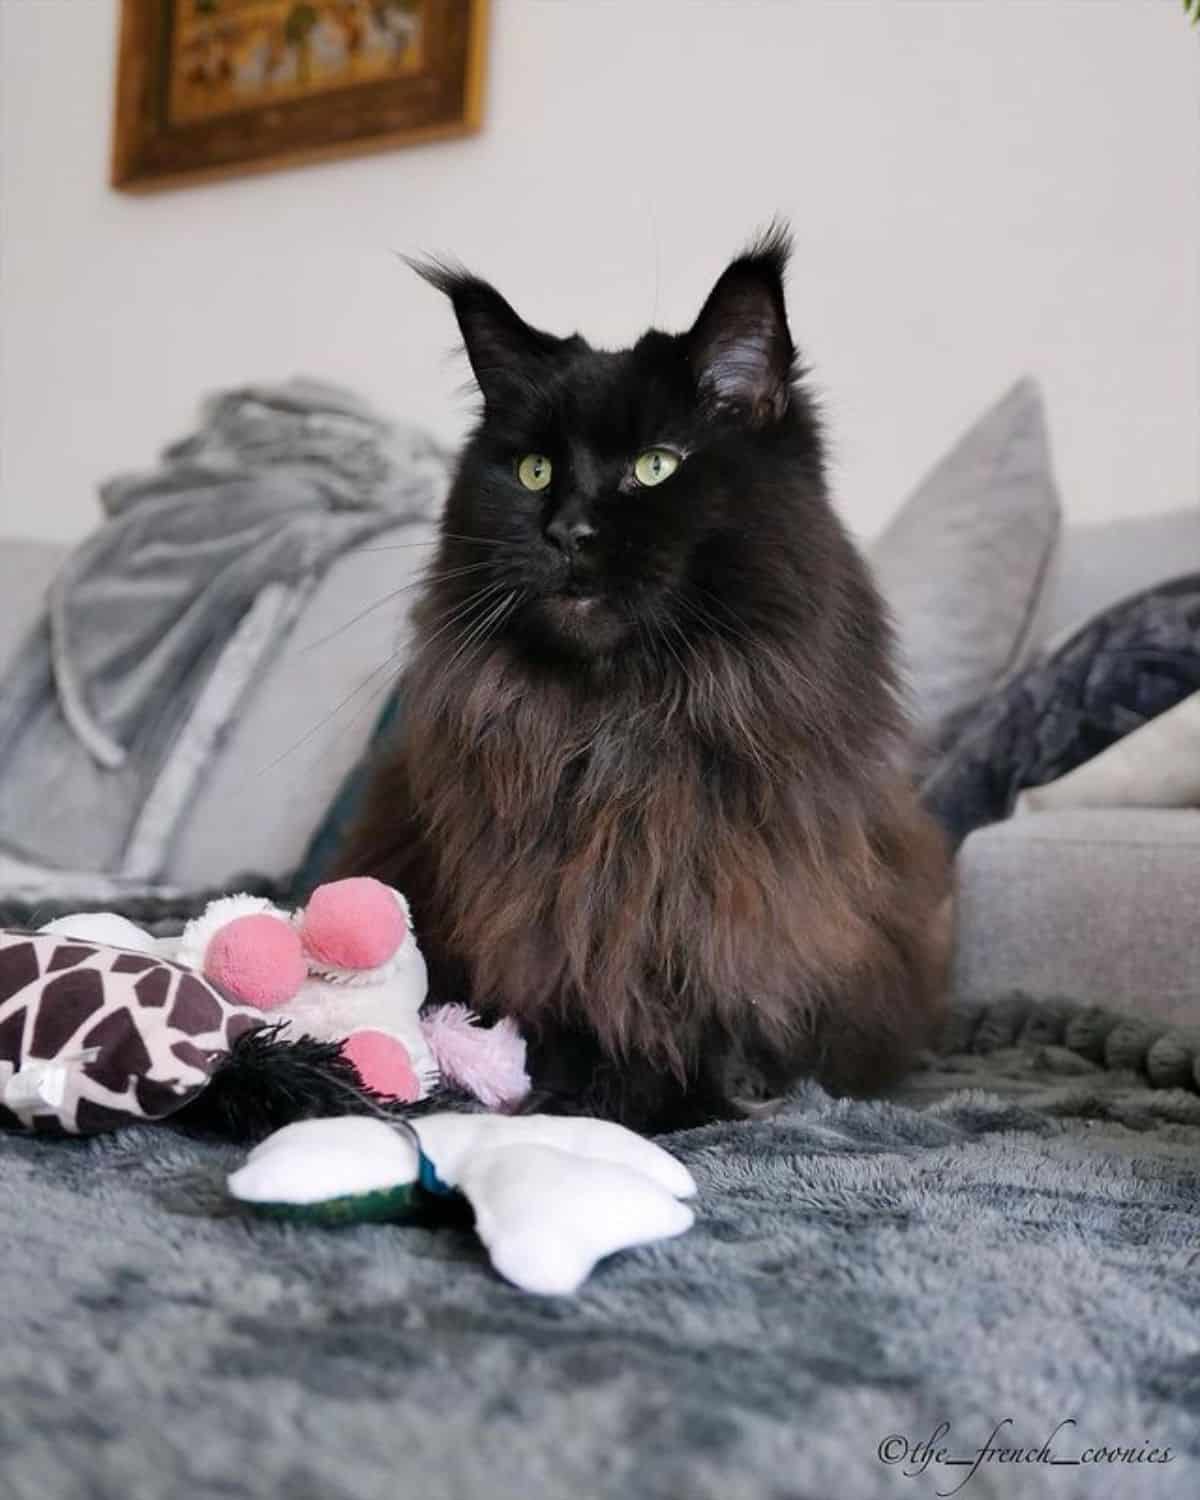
point(978, 187)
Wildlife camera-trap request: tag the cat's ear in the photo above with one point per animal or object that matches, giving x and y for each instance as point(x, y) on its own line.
point(503, 349)
point(739, 347)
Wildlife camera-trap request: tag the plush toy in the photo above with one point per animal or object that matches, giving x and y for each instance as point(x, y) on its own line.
point(550, 1196)
point(345, 969)
point(93, 1036)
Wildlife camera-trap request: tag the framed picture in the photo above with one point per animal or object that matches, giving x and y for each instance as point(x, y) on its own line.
point(210, 87)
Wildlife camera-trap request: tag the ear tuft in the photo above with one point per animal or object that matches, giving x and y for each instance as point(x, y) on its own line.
point(740, 349)
point(499, 343)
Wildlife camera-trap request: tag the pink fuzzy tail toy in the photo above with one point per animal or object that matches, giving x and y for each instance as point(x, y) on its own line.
point(487, 1061)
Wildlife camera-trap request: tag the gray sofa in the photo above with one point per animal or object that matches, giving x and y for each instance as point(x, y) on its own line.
point(1100, 904)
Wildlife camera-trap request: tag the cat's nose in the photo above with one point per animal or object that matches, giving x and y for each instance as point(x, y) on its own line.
point(571, 534)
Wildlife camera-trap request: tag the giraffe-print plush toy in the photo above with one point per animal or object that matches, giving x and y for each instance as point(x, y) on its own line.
point(93, 1036)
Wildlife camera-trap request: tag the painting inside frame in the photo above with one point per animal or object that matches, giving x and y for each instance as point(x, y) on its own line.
point(208, 87)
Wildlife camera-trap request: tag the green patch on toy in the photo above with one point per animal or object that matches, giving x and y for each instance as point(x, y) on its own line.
point(385, 1206)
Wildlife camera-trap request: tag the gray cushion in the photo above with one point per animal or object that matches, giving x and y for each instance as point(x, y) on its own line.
point(1099, 905)
point(964, 564)
point(1101, 564)
point(307, 722)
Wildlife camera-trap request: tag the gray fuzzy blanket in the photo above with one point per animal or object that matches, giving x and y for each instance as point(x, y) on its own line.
point(1014, 1240)
point(162, 621)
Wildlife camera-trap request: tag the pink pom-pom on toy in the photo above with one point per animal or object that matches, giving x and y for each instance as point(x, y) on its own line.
point(383, 1064)
point(487, 1061)
point(258, 958)
point(352, 924)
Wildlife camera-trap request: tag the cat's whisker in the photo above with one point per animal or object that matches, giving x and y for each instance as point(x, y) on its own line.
point(389, 683)
point(482, 541)
point(481, 628)
point(432, 541)
point(365, 707)
point(456, 615)
point(425, 578)
point(332, 714)
point(435, 576)
point(510, 604)
point(466, 636)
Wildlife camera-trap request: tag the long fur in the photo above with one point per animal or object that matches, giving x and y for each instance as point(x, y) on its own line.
point(266, 1082)
point(677, 845)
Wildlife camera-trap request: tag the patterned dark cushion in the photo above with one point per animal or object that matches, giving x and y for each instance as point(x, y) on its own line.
point(1119, 671)
point(92, 1037)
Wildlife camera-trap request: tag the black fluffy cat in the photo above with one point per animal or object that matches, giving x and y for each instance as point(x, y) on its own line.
point(648, 798)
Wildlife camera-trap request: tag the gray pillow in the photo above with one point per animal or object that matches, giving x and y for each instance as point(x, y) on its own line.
point(1108, 561)
point(966, 562)
point(308, 720)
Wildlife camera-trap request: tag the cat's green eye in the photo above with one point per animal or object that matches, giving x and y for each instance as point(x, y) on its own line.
point(655, 465)
point(534, 471)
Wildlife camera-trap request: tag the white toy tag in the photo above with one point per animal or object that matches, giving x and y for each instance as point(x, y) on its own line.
point(39, 1088)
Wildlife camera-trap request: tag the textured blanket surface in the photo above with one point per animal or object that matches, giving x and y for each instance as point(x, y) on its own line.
point(1015, 1239)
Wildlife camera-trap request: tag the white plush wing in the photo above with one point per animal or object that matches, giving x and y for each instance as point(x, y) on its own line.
point(315, 1160)
point(450, 1140)
point(547, 1216)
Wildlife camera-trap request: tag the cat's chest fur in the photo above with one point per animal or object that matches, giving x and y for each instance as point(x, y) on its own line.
point(621, 857)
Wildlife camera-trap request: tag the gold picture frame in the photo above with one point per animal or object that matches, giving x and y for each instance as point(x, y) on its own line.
point(209, 88)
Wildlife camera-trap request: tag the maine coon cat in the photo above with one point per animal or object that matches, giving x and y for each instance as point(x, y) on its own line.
point(648, 796)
